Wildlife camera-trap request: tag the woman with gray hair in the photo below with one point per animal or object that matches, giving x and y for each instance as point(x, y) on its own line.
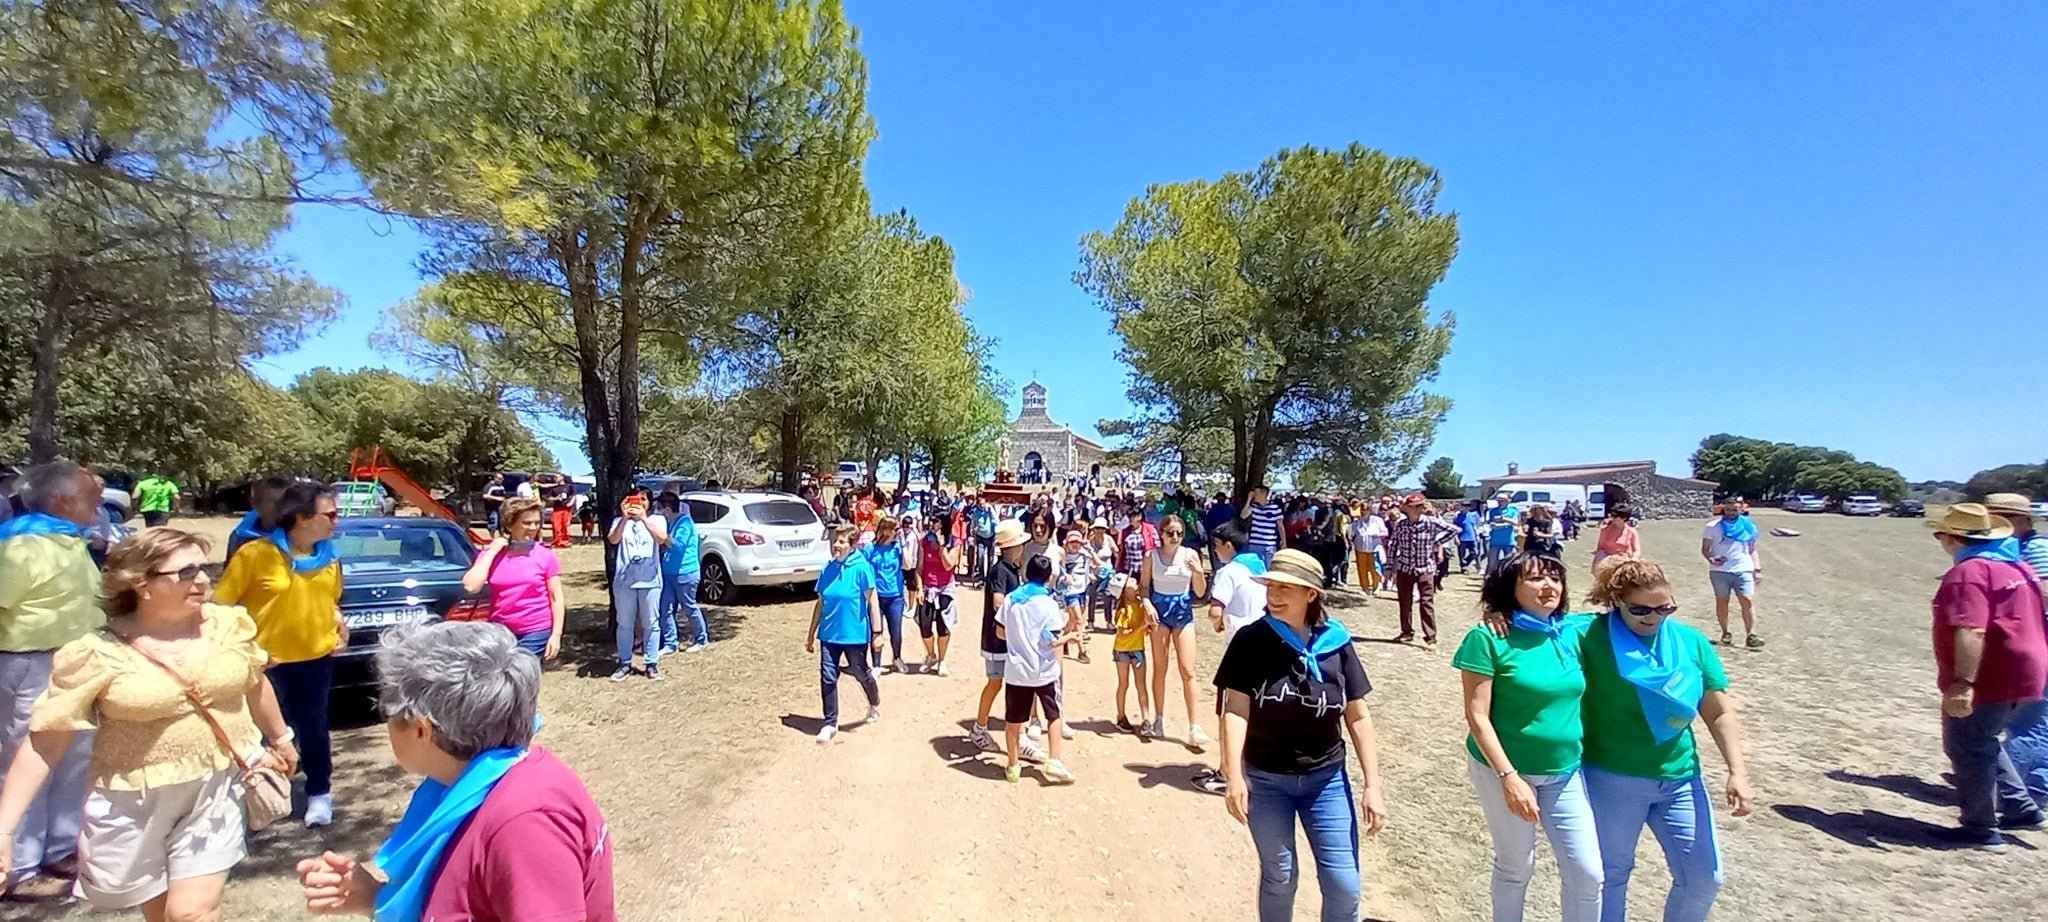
point(500, 828)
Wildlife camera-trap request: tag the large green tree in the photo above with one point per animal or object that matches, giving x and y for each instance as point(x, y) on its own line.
point(1442, 481)
point(2030, 480)
point(1765, 470)
point(606, 176)
point(1287, 307)
point(436, 431)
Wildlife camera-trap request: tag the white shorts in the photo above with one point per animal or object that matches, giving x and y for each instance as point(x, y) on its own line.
point(132, 844)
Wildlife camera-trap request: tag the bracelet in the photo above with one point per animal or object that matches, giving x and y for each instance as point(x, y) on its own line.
point(1504, 775)
point(287, 736)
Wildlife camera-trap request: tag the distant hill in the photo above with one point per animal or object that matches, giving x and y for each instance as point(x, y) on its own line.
point(1936, 491)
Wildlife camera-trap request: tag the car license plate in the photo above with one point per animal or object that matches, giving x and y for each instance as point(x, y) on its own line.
point(796, 545)
point(383, 617)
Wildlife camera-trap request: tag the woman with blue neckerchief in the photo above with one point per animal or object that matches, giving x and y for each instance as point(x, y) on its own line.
point(1647, 677)
point(1173, 578)
point(1293, 688)
point(1522, 696)
point(499, 828)
point(290, 582)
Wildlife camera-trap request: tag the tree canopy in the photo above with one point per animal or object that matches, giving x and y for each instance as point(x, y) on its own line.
point(2030, 480)
point(1765, 470)
point(1286, 307)
point(1442, 481)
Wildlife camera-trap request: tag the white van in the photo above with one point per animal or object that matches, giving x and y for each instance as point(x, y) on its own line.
point(1555, 495)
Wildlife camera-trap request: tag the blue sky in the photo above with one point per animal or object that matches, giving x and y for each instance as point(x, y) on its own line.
point(1819, 223)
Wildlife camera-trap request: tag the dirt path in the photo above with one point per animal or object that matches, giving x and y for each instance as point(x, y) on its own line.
point(906, 818)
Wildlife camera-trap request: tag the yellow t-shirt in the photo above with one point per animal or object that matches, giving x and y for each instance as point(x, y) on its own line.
point(294, 612)
point(49, 592)
point(1129, 616)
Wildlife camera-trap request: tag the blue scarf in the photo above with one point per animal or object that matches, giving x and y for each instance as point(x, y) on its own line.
point(39, 523)
point(1740, 530)
point(412, 856)
point(1252, 562)
point(1027, 592)
point(2005, 549)
point(321, 559)
point(1329, 638)
point(1669, 689)
point(246, 530)
point(1549, 627)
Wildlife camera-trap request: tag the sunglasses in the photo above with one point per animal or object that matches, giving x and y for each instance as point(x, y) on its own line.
point(333, 515)
point(184, 574)
point(1644, 611)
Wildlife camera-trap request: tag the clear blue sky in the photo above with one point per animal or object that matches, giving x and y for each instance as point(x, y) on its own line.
point(1821, 223)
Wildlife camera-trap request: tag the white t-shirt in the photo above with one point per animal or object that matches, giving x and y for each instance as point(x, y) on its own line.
point(1736, 554)
point(525, 490)
point(1367, 533)
point(1243, 598)
point(1029, 628)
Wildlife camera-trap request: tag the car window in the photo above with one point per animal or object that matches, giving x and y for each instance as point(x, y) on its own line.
point(781, 512)
point(401, 549)
point(1541, 496)
point(1521, 496)
point(705, 511)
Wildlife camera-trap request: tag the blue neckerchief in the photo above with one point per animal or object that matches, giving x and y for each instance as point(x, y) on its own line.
point(1667, 683)
point(1252, 562)
point(39, 523)
point(1549, 627)
point(1740, 530)
point(412, 856)
point(1328, 639)
point(1027, 592)
point(323, 553)
point(246, 530)
point(2005, 549)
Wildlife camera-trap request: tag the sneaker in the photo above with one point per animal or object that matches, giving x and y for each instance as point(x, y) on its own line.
point(2036, 821)
point(1031, 751)
point(1013, 774)
point(826, 734)
point(1197, 738)
point(899, 667)
point(1429, 645)
point(1124, 723)
point(667, 649)
point(1066, 730)
point(1983, 840)
point(653, 672)
point(874, 714)
point(319, 810)
point(622, 673)
point(940, 670)
point(1056, 772)
point(1211, 782)
point(1158, 728)
point(1082, 657)
point(1727, 639)
point(695, 648)
point(1404, 637)
point(1754, 642)
point(982, 741)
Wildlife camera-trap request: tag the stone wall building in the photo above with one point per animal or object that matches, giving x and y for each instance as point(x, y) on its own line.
point(1653, 495)
point(1040, 450)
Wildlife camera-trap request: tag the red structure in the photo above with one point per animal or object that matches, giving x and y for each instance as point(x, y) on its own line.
point(405, 488)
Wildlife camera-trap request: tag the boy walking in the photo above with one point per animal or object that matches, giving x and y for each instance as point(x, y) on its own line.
point(1034, 627)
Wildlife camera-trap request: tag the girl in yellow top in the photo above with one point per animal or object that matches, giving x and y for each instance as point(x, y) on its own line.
point(291, 585)
point(163, 823)
point(1133, 620)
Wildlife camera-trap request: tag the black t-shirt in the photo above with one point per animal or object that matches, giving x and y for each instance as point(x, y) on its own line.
point(1297, 724)
point(1003, 579)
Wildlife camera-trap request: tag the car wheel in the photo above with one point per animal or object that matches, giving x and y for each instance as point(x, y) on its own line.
point(715, 586)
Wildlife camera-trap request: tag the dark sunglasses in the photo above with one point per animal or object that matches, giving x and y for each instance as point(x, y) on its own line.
point(333, 515)
point(184, 574)
point(1644, 611)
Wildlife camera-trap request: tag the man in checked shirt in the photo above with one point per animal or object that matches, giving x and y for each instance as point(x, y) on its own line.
point(1412, 544)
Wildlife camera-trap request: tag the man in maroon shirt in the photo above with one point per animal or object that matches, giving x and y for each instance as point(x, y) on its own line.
point(1990, 656)
point(461, 700)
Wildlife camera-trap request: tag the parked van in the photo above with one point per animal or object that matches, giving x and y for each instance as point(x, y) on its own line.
point(1555, 495)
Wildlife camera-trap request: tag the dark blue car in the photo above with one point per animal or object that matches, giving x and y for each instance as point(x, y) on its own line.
point(395, 570)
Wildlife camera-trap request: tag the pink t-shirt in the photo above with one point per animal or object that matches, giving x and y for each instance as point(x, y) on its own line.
point(1614, 542)
point(519, 589)
point(536, 851)
point(2004, 601)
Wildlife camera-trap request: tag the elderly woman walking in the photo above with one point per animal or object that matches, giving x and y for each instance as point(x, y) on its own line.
point(847, 620)
point(525, 580)
point(460, 701)
point(174, 688)
point(291, 585)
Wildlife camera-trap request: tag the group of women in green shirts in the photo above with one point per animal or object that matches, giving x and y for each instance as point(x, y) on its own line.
point(1581, 726)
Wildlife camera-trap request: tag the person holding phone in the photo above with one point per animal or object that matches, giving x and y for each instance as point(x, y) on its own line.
point(637, 540)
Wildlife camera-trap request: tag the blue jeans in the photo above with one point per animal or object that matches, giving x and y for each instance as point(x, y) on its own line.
point(855, 656)
point(535, 643)
point(1323, 801)
point(303, 689)
point(1567, 818)
point(48, 831)
point(1987, 784)
point(892, 615)
point(637, 617)
point(2026, 744)
point(1680, 814)
point(680, 591)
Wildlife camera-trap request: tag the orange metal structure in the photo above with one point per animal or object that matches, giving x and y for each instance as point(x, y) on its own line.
point(406, 489)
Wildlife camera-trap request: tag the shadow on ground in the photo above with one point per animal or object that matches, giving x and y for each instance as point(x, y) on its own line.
point(1875, 830)
point(1926, 792)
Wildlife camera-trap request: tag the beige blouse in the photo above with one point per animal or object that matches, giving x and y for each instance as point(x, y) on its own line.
point(149, 734)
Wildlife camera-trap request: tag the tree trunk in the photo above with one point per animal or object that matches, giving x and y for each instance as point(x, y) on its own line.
point(789, 450)
point(42, 421)
point(1240, 463)
point(902, 472)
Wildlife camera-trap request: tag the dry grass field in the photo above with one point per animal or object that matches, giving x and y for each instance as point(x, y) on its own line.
point(723, 808)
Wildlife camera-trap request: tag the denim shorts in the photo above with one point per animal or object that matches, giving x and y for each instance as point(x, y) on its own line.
point(1076, 598)
point(1175, 611)
point(1134, 657)
point(1742, 584)
point(992, 664)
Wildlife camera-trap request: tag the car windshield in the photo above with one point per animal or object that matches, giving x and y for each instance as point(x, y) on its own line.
point(781, 512)
point(369, 550)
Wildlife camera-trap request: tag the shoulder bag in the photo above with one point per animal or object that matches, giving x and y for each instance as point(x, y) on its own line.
point(266, 792)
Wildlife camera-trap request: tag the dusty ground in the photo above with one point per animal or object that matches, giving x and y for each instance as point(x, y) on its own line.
point(723, 807)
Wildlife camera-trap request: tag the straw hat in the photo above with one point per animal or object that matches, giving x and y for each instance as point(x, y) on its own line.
point(1296, 567)
point(1010, 533)
point(1102, 522)
point(1973, 522)
point(2009, 504)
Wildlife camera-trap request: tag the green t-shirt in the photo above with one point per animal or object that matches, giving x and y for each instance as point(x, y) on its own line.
point(1618, 737)
point(158, 494)
point(1537, 684)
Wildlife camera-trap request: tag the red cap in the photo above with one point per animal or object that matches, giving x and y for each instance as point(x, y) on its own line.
point(1414, 499)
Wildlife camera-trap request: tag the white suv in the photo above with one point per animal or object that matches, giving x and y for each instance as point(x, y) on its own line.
point(1862, 504)
point(755, 539)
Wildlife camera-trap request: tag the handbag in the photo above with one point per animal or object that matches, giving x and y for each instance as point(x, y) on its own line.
point(266, 792)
